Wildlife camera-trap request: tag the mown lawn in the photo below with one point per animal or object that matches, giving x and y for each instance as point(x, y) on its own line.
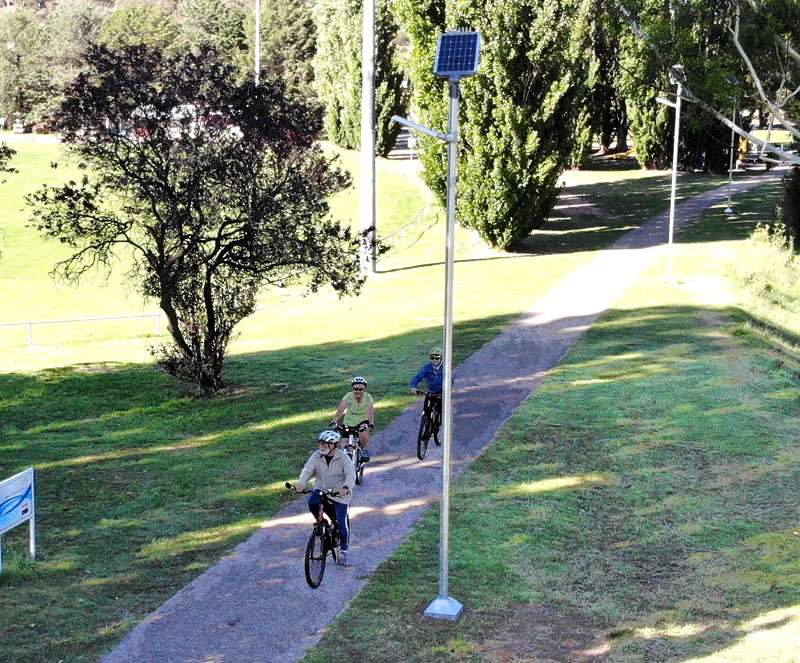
point(640, 506)
point(142, 485)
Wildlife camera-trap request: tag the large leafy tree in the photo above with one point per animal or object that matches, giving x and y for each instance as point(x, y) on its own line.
point(216, 22)
point(519, 115)
point(288, 43)
point(216, 190)
point(337, 68)
point(69, 31)
point(24, 77)
point(132, 25)
point(695, 35)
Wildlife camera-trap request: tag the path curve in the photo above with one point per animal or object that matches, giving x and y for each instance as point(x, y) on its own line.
point(244, 609)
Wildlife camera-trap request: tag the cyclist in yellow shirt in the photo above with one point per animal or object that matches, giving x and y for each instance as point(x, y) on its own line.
point(357, 406)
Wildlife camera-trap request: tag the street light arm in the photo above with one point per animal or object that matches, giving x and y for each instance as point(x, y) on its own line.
point(448, 138)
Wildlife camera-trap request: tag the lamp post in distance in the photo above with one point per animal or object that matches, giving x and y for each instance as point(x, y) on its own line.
point(735, 82)
point(676, 77)
point(457, 57)
point(258, 42)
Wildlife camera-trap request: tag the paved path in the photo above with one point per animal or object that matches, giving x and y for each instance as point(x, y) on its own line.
point(245, 609)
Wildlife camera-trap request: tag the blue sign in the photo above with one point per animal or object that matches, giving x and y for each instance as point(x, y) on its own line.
point(16, 500)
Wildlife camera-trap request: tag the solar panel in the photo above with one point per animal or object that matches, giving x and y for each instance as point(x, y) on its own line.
point(457, 54)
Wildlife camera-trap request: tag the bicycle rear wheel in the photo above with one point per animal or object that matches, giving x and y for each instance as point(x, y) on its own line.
point(424, 436)
point(315, 558)
point(437, 423)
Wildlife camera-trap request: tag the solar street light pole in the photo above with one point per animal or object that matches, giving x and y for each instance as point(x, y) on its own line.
point(457, 56)
point(445, 606)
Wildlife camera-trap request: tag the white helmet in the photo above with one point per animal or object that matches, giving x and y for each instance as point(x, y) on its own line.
point(358, 380)
point(328, 437)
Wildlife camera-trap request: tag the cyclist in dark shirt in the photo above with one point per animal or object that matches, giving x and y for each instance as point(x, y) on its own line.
point(431, 373)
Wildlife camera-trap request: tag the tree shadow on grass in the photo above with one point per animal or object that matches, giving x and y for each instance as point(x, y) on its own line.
point(616, 208)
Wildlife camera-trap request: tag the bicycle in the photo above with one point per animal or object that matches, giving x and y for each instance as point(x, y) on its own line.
point(324, 539)
point(430, 423)
point(352, 445)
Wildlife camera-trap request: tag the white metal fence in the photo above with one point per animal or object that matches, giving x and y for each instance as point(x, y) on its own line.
point(30, 323)
point(397, 235)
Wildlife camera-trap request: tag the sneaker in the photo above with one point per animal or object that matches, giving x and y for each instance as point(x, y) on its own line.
point(365, 455)
point(341, 558)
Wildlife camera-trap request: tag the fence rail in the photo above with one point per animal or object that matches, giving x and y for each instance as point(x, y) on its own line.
point(30, 323)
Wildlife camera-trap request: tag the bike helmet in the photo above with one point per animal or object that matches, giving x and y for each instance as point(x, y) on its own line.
point(436, 350)
point(328, 437)
point(358, 380)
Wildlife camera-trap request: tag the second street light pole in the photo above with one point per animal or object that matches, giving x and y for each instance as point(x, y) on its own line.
point(729, 210)
point(367, 203)
point(258, 41)
point(676, 78)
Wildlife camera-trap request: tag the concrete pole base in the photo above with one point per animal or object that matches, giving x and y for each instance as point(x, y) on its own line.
point(444, 608)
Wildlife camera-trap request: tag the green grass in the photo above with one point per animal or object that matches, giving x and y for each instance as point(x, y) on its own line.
point(640, 506)
point(141, 486)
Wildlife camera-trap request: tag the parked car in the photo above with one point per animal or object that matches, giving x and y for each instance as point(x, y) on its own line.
point(21, 128)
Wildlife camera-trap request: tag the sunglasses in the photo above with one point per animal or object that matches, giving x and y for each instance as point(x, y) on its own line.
point(436, 356)
point(358, 388)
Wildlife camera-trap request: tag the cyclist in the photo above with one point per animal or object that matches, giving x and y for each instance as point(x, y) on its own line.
point(431, 373)
point(333, 470)
point(357, 406)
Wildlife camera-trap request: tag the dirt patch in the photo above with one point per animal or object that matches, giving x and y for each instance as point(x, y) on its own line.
point(538, 634)
point(571, 205)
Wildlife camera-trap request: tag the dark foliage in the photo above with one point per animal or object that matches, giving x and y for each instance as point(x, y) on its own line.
point(789, 209)
point(5, 156)
point(215, 188)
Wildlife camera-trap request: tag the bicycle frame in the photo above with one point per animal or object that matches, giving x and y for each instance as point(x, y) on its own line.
point(352, 445)
point(432, 405)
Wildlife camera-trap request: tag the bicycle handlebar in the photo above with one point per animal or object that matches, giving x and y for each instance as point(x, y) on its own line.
point(318, 491)
point(342, 428)
point(422, 392)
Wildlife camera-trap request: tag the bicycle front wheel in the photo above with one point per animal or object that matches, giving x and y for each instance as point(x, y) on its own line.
point(423, 437)
point(359, 468)
point(315, 558)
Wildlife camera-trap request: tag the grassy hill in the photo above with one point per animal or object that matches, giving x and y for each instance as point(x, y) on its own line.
point(142, 486)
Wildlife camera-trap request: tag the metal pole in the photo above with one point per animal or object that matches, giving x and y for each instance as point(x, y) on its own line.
point(729, 209)
point(258, 40)
point(32, 521)
point(675, 145)
point(445, 606)
point(367, 216)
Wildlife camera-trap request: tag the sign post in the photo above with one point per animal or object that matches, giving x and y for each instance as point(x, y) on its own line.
point(17, 506)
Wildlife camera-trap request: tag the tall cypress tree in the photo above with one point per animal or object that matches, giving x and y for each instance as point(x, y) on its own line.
point(337, 69)
point(519, 116)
